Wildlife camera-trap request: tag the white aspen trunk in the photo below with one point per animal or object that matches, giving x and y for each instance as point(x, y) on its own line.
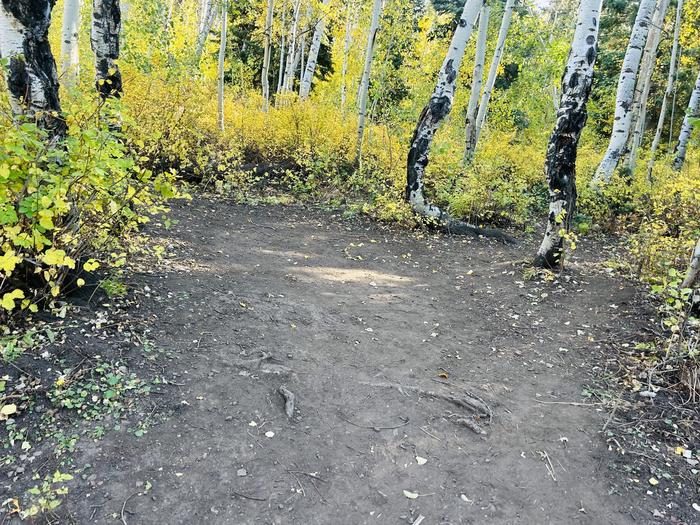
point(433, 114)
point(69, 42)
point(292, 52)
point(625, 94)
point(687, 127)
point(668, 92)
point(104, 39)
point(366, 70)
point(560, 164)
point(265, 75)
point(222, 58)
point(639, 115)
point(308, 76)
point(478, 80)
point(31, 76)
point(692, 278)
point(346, 55)
point(493, 72)
point(280, 76)
point(206, 22)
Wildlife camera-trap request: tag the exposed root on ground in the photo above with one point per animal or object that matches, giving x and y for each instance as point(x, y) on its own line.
point(289, 400)
point(469, 401)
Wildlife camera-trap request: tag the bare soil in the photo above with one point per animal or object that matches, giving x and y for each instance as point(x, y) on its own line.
point(359, 321)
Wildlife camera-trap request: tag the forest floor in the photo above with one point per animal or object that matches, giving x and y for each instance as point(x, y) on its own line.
point(359, 322)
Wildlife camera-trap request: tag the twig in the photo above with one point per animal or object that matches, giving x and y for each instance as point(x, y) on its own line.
point(568, 403)
point(310, 474)
point(254, 498)
point(372, 427)
point(428, 433)
point(124, 506)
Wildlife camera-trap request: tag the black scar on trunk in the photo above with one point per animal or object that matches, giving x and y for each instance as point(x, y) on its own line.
point(35, 17)
point(107, 17)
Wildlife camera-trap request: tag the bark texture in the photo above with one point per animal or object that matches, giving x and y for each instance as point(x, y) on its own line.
point(692, 279)
point(625, 94)
point(346, 53)
point(283, 38)
point(32, 78)
point(687, 127)
point(265, 75)
point(207, 14)
point(493, 72)
point(104, 38)
point(305, 87)
point(560, 163)
point(477, 81)
point(292, 53)
point(222, 59)
point(69, 41)
point(639, 115)
point(433, 114)
point(668, 92)
point(364, 82)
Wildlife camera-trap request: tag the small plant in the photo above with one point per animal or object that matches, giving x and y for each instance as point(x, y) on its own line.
point(45, 497)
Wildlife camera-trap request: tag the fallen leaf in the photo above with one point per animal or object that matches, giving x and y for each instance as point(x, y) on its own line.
point(269, 434)
point(421, 461)
point(653, 481)
point(410, 495)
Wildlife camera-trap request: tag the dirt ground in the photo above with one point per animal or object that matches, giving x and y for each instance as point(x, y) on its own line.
point(356, 320)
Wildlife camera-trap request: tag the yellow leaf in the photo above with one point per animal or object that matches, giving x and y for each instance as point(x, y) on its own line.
point(80, 282)
point(91, 265)
point(55, 290)
point(8, 261)
point(653, 481)
point(8, 299)
point(8, 410)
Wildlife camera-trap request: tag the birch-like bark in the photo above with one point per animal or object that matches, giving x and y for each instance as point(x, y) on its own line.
point(265, 75)
point(364, 81)
point(687, 127)
point(208, 13)
point(493, 72)
point(692, 279)
point(310, 69)
point(32, 78)
point(222, 59)
point(69, 42)
point(104, 39)
point(668, 92)
point(433, 114)
point(560, 163)
point(292, 54)
point(478, 80)
point(280, 75)
point(639, 114)
point(625, 94)
point(346, 54)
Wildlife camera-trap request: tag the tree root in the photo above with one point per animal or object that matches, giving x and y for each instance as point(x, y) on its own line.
point(457, 227)
point(289, 400)
point(469, 401)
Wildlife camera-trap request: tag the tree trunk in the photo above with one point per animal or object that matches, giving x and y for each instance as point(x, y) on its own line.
point(31, 76)
point(667, 93)
point(477, 81)
point(687, 127)
point(560, 164)
point(493, 71)
point(104, 38)
point(280, 76)
point(310, 69)
point(625, 94)
point(692, 279)
point(287, 82)
point(265, 76)
point(639, 114)
point(205, 23)
point(222, 58)
point(346, 54)
point(433, 114)
point(364, 82)
point(69, 42)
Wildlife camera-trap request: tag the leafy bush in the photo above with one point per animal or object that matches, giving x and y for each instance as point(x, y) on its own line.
point(65, 209)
